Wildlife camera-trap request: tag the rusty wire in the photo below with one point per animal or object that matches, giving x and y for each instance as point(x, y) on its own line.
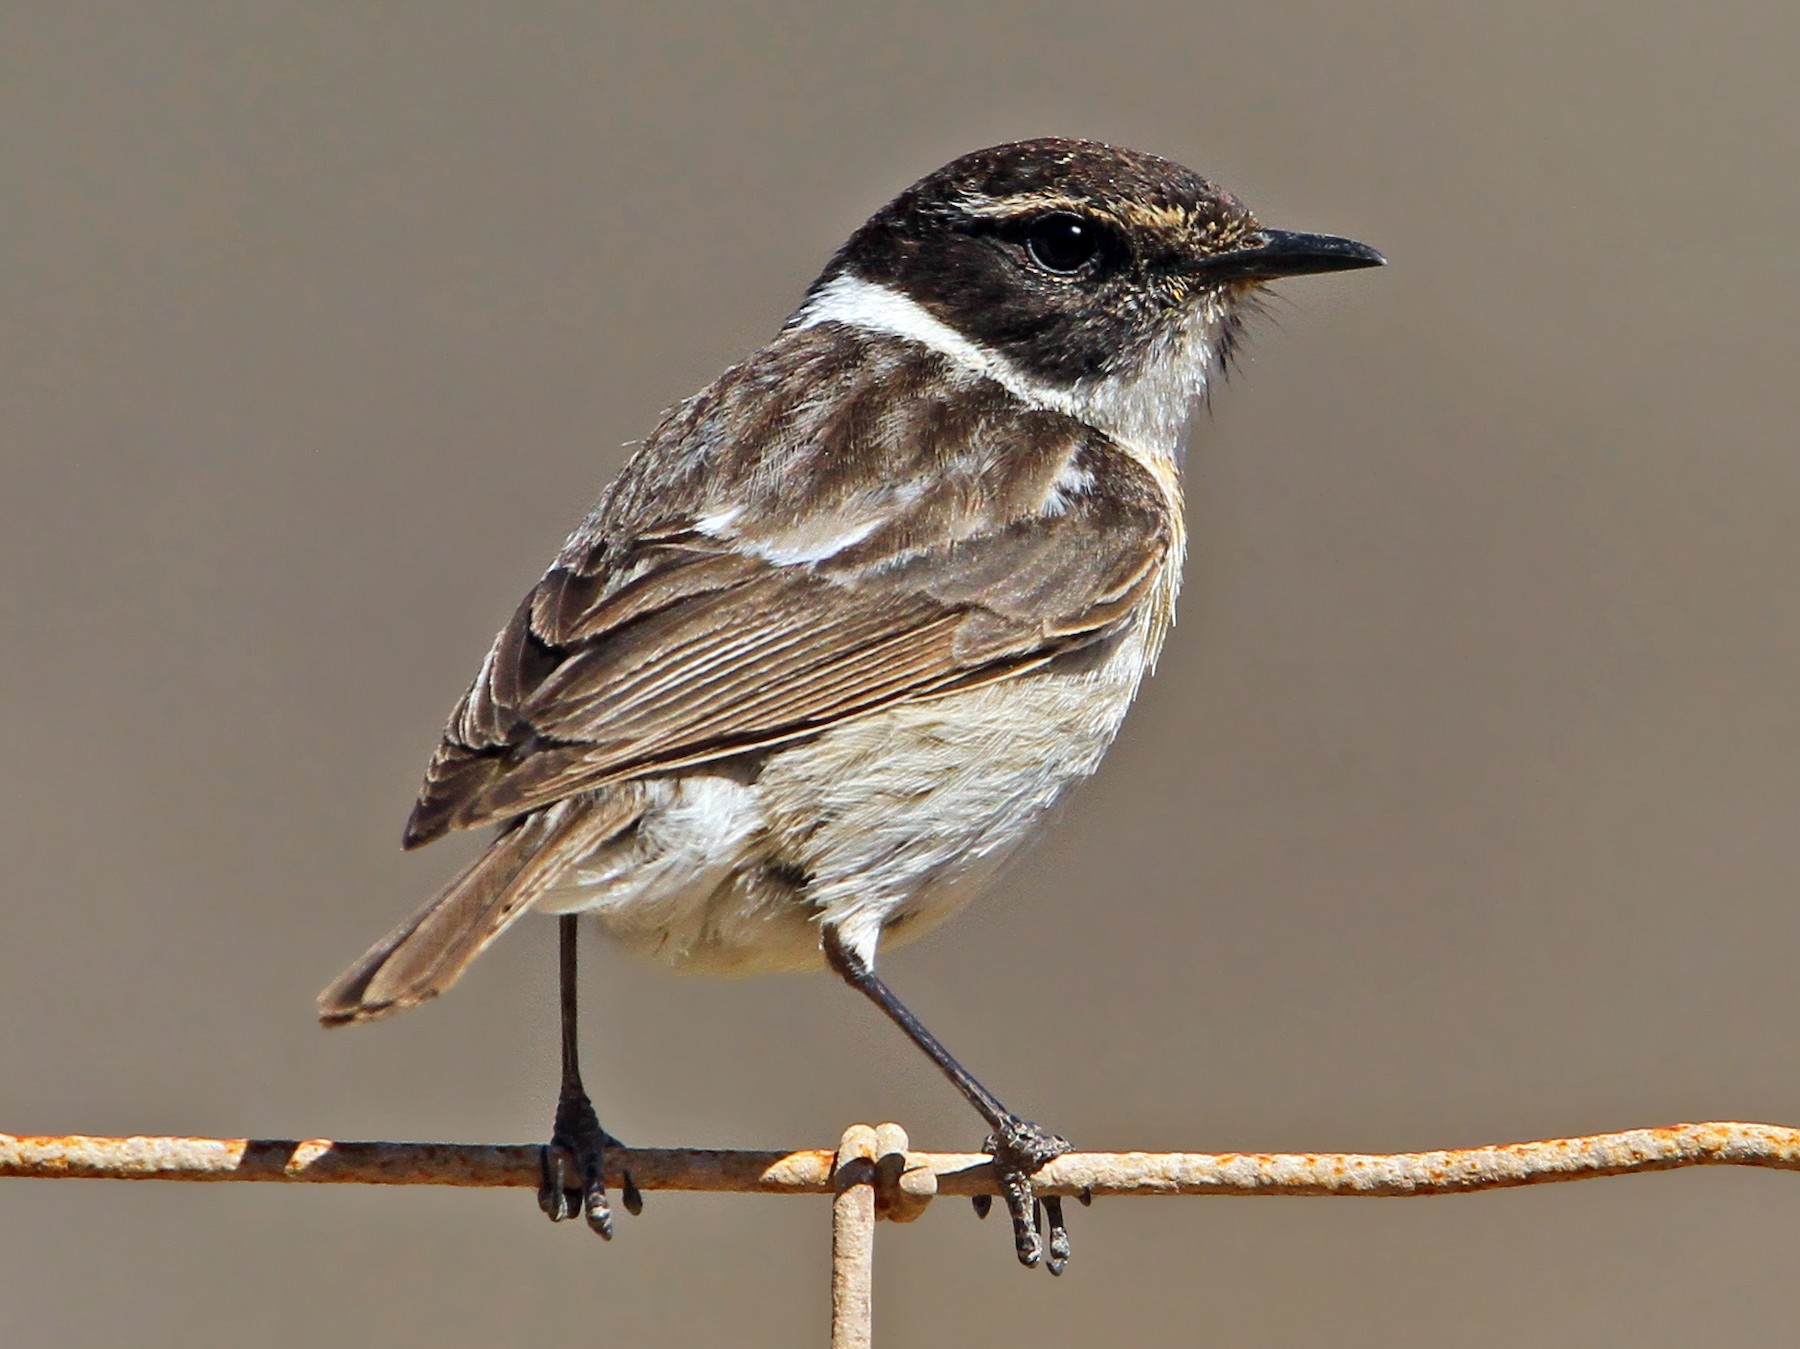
point(873, 1173)
point(810, 1171)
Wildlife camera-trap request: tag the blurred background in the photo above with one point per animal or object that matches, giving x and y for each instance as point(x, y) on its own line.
point(1462, 810)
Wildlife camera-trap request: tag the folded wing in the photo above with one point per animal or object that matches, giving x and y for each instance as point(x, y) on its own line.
point(713, 628)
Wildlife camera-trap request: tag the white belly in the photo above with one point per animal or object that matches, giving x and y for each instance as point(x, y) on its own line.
point(884, 825)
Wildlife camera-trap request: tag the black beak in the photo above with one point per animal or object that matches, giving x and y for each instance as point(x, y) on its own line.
point(1271, 253)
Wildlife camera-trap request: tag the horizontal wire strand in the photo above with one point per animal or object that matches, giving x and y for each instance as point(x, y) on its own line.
point(809, 1171)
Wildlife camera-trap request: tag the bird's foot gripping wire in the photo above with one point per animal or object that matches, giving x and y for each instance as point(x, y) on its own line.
point(574, 1177)
point(1020, 1148)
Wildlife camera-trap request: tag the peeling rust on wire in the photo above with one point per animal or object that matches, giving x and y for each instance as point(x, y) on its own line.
point(809, 1171)
point(323, 1161)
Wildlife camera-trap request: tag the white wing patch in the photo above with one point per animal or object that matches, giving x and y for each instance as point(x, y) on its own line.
point(718, 524)
point(819, 539)
point(799, 552)
point(1072, 482)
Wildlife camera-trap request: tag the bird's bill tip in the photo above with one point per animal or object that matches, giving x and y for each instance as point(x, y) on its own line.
point(1268, 254)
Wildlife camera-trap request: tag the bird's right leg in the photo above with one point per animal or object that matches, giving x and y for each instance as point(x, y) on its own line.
point(1017, 1146)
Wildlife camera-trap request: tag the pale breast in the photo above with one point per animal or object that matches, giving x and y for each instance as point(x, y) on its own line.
point(901, 818)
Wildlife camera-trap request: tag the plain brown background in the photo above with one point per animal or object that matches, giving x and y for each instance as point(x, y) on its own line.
point(1463, 808)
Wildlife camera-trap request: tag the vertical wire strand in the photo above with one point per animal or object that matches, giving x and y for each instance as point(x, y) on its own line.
point(853, 1240)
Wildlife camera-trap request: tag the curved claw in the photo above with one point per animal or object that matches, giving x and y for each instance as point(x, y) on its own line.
point(596, 1210)
point(552, 1196)
point(628, 1194)
point(1056, 1234)
point(1021, 1207)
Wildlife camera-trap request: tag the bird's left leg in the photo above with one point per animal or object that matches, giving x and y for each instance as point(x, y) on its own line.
point(1018, 1146)
point(574, 1178)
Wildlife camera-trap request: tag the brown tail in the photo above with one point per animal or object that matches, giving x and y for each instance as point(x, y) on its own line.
point(430, 950)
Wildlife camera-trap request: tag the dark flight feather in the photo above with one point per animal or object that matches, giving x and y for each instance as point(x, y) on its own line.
point(425, 954)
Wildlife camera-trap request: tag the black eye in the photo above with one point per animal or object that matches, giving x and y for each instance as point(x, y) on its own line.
point(1063, 242)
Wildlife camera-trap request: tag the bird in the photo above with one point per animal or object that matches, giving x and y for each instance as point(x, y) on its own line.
point(855, 616)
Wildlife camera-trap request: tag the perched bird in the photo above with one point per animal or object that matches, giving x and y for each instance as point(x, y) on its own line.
point(856, 615)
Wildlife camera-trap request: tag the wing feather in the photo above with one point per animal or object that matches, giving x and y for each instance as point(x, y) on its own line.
point(681, 625)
